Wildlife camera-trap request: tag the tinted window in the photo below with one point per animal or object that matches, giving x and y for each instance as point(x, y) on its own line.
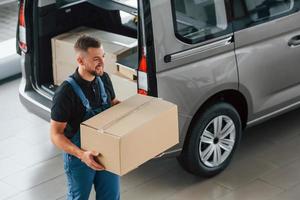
point(199, 20)
point(252, 12)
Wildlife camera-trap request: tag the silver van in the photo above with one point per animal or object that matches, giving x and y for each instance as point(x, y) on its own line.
point(227, 64)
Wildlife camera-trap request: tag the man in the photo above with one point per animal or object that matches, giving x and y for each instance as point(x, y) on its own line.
point(84, 94)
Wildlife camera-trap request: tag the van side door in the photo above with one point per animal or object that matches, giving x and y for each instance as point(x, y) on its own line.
point(194, 49)
point(267, 40)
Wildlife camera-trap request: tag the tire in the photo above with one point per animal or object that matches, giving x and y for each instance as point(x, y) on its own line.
point(208, 152)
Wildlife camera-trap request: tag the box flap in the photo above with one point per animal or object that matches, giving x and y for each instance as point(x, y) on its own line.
point(115, 113)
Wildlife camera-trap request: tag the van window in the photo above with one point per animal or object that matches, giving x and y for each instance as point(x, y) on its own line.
point(252, 12)
point(199, 20)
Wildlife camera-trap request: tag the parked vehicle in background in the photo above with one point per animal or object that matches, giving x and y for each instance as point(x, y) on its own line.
point(227, 64)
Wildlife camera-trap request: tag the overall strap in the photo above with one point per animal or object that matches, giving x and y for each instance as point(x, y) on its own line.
point(102, 91)
point(78, 91)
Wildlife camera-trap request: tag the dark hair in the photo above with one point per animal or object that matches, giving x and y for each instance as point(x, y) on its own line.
point(84, 42)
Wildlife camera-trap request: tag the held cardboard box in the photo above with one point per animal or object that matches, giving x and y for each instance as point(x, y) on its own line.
point(115, 47)
point(131, 133)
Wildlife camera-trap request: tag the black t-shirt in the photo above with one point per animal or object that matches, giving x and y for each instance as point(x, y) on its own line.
point(67, 106)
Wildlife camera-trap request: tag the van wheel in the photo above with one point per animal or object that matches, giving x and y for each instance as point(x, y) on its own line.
point(212, 141)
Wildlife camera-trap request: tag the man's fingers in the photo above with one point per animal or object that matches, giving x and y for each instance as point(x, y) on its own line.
point(90, 161)
point(94, 163)
point(94, 153)
point(96, 166)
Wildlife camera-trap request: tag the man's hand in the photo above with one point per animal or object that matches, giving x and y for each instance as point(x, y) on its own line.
point(115, 102)
point(88, 158)
point(61, 141)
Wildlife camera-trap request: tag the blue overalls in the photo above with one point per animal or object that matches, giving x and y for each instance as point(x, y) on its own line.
point(80, 177)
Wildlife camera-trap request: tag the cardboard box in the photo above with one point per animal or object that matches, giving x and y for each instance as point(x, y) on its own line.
point(123, 87)
point(127, 72)
point(131, 133)
point(115, 47)
point(128, 66)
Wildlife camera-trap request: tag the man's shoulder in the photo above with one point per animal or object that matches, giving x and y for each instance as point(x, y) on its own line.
point(105, 75)
point(63, 87)
point(106, 78)
point(64, 90)
point(62, 102)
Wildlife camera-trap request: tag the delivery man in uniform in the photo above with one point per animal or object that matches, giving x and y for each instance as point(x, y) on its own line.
point(84, 94)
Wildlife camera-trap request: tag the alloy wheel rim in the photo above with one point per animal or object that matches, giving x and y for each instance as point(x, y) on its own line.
point(217, 141)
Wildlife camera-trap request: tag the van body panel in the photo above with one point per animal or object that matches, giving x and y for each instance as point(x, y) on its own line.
point(191, 80)
point(166, 42)
point(268, 66)
point(190, 86)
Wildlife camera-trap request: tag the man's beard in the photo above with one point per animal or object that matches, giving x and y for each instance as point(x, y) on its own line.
point(95, 73)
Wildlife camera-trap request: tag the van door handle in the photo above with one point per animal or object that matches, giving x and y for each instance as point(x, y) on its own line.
point(294, 41)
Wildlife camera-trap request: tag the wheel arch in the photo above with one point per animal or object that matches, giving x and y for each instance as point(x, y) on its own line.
point(233, 97)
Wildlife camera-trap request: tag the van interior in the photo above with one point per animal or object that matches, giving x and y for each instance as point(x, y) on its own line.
point(105, 15)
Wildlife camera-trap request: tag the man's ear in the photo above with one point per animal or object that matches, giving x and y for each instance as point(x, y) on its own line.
point(79, 60)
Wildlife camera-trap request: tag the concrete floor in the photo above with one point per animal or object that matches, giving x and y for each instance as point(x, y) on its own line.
point(266, 166)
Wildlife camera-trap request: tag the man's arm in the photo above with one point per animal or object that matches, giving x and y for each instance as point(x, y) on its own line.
point(62, 142)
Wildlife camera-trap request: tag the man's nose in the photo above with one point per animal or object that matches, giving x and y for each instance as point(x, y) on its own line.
point(102, 60)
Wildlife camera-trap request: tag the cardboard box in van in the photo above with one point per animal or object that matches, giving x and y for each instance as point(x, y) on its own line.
point(63, 54)
point(131, 133)
point(127, 66)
